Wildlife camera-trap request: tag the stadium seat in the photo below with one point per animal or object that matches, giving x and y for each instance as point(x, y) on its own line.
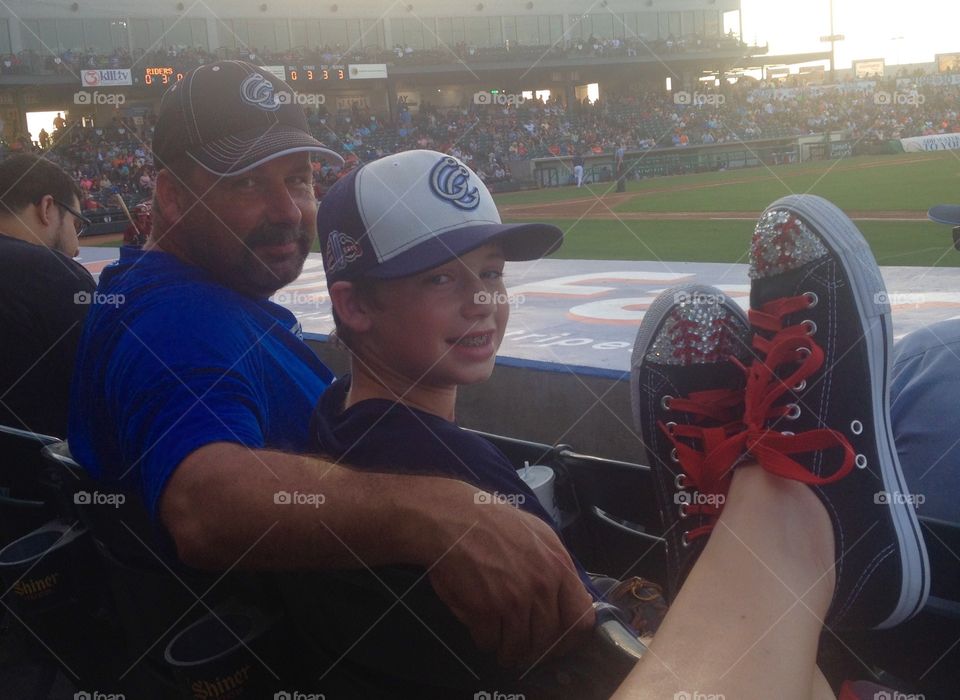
point(25, 500)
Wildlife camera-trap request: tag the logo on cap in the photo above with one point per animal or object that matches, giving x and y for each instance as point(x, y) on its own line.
point(341, 251)
point(450, 180)
point(257, 91)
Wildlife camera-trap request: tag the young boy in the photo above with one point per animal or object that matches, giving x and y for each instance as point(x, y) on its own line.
point(414, 252)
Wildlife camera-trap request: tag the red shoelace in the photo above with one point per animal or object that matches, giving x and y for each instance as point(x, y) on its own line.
point(735, 434)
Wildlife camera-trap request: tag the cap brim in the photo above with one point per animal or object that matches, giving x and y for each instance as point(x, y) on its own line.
point(945, 214)
point(519, 241)
point(235, 155)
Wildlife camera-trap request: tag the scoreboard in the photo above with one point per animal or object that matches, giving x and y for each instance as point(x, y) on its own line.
point(161, 76)
point(315, 75)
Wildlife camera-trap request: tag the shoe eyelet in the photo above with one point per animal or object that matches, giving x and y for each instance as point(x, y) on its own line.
point(803, 352)
point(682, 510)
point(801, 386)
point(861, 461)
point(665, 402)
point(680, 482)
point(793, 413)
point(670, 426)
point(856, 427)
point(674, 456)
point(787, 433)
point(684, 541)
point(812, 298)
point(811, 326)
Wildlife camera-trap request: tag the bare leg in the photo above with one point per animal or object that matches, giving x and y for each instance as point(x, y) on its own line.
point(747, 621)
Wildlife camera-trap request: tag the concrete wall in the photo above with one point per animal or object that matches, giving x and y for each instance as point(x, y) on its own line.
point(590, 413)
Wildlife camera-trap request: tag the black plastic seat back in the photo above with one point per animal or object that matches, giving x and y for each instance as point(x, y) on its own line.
point(25, 496)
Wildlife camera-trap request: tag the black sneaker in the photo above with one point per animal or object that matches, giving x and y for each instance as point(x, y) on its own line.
point(687, 384)
point(817, 406)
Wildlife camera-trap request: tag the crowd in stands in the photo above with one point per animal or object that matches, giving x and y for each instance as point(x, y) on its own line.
point(115, 158)
point(69, 62)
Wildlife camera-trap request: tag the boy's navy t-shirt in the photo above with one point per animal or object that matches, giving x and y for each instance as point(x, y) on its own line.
point(387, 436)
point(170, 361)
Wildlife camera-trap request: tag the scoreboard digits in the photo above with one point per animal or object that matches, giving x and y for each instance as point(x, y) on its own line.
point(163, 76)
point(315, 75)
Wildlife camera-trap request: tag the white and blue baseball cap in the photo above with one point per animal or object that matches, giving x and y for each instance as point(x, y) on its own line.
point(412, 211)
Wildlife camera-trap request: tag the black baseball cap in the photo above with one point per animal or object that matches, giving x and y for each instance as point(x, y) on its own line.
point(230, 117)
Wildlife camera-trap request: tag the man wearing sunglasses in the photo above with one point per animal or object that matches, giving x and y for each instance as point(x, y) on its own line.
point(46, 294)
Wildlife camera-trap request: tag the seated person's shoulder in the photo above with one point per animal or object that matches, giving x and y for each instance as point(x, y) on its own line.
point(367, 435)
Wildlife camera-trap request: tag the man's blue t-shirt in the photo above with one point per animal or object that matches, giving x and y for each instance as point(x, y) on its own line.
point(170, 361)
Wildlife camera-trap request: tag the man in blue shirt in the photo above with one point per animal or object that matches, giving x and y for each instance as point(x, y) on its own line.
point(194, 391)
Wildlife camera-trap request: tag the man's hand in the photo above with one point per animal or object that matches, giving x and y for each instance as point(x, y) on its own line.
point(508, 578)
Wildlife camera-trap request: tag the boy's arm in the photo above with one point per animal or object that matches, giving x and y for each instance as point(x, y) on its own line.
point(502, 572)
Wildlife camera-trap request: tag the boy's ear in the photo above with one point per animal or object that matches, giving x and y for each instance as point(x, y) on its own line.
point(351, 310)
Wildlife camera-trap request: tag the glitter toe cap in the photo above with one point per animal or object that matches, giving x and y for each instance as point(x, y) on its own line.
point(782, 242)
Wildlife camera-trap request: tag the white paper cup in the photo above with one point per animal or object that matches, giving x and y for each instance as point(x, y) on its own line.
point(540, 479)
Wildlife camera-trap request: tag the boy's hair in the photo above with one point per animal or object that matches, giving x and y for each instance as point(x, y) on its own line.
point(367, 290)
point(26, 179)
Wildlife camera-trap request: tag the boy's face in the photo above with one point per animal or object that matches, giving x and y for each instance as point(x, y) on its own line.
point(442, 327)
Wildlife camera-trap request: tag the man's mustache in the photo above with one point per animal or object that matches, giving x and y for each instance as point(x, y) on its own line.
point(273, 235)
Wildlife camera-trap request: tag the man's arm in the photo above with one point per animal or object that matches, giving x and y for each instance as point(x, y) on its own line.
point(503, 573)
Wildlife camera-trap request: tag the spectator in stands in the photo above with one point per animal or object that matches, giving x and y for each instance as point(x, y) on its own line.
point(226, 236)
point(46, 294)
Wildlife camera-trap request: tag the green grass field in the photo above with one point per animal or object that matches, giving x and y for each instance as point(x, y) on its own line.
point(904, 186)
